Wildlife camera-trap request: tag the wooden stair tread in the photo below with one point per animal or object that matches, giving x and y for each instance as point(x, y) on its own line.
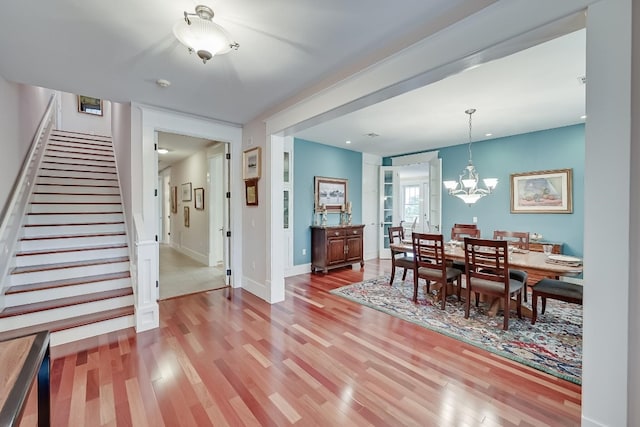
point(76, 185)
point(72, 213)
point(64, 302)
point(72, 236)
point(69, 323)
point(66, 282)
point(73, 223)
point(78, 177)
point(63, 265)
point(75, 249)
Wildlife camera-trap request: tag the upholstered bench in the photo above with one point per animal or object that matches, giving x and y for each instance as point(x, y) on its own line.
point(555, 289)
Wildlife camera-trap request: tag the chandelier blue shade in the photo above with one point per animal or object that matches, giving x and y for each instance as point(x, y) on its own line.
point(467, 188)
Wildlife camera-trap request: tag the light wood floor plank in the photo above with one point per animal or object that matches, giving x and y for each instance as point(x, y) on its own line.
point(313, 360)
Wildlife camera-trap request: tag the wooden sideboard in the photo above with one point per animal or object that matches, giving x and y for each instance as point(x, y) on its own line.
point(336, 246)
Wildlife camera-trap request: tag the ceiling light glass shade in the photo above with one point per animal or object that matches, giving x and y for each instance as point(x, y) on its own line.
point(205, 38)
point(466, 188)
point(200, 34)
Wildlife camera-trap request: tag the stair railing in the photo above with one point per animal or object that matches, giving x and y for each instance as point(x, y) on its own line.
point(14, 211)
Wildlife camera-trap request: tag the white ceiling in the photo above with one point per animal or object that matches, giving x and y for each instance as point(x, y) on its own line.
point(534, 89)
point(116, 50)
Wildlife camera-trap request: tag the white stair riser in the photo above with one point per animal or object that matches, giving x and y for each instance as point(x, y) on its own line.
point(56, 149)
point(85, 173)
point(75, 198)
point(58, 135)
point(46, 316)
point(71, 230)
point(77, 208)
point(70, 242)
point(55, 258)
point(57, 144)
point(78, 157)
point(77, 189)
point(86, 331)
point(67, 273)
point(79, 161)
point(75, 167)
point(12, 300)
point(68, 181)
point(73, 218)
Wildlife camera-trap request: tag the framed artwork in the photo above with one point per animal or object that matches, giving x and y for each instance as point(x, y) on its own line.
point(186, 216)
point(89, 105)
point(198, 194)
point(330, 193)
point(173, 196)
point(251, 192)
point(251, 163)
point(542, 192)
point(186, 192)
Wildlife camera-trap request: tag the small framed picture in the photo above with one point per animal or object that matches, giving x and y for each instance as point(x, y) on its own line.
point(251, 163)
point(186, 192)
point(89, 105)
point(330, 193)
point(251, 192)
point(198, 194)
point(174, 199)
point(186, 216)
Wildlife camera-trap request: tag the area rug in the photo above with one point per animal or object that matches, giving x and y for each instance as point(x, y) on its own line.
point(552, 345)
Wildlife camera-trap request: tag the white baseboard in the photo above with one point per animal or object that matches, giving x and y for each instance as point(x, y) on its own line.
point(197, 256)
point(256, 288)
point(298, 269)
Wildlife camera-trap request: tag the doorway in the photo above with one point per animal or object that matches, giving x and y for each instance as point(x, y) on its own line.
point(195, 179)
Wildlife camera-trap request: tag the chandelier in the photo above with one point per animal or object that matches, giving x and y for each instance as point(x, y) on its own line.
point(201, 35)
point(466, 188)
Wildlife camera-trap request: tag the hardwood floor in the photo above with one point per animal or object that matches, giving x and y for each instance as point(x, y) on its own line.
point(315, 359)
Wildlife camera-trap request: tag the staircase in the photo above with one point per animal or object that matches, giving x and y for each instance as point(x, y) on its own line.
point(71, 272)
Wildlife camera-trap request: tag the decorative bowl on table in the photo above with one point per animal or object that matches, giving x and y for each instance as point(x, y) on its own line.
point(535, 236)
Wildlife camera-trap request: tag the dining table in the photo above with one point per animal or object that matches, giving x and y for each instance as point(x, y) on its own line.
point(532, 262)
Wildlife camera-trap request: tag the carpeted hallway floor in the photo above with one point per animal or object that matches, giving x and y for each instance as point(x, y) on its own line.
point(181, 275)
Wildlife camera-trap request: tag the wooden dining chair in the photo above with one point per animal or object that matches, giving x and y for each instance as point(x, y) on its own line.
point(487, 269)
point(459, 232)
point(520, 240)
point(430, 265)
point(399, 259)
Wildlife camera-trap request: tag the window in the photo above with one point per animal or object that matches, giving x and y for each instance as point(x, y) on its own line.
point(411, 204)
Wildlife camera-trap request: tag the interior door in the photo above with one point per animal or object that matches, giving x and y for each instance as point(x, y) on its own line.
point(390, 209)
point(435, 195)
point(389, 188)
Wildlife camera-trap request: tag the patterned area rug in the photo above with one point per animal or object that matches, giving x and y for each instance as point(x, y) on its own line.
point(552, 345)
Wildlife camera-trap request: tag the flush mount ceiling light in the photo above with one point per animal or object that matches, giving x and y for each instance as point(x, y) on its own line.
point(466, 188)
point(201, 35)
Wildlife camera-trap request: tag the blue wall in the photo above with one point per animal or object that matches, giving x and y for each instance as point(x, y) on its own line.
point(561, 148)
point(311, 159)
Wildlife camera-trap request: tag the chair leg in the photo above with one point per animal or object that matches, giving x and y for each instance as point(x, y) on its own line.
point(458, 288)
point(467, 302)
point(534, 308)
point(544, 304)
point(506, 311)
point(393, 273)
point(443, 295)
point(525, 291)
point(415, 288)
point(519, 305)
point(404, 274)
point(477, 299)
